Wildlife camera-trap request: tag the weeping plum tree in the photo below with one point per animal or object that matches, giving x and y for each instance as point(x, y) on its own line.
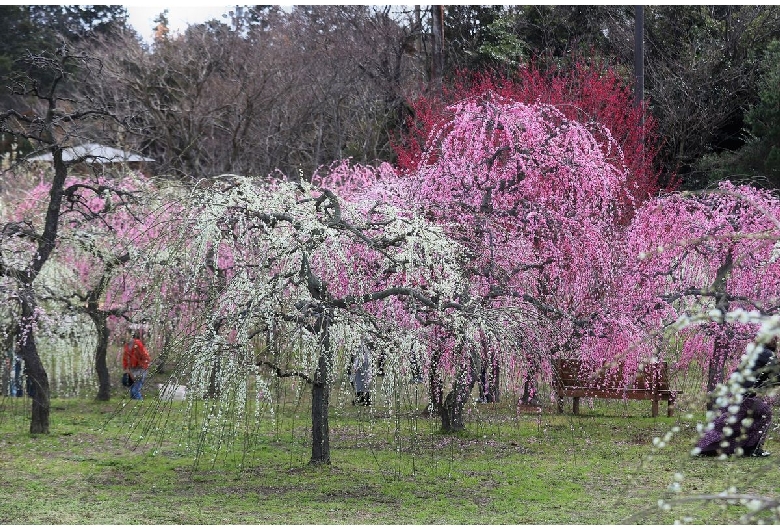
point(537, 199)
point(710, 252)
point(561, 196)
point(103, 222)
point(726, 248)
point(587, 92)
point(298, 260)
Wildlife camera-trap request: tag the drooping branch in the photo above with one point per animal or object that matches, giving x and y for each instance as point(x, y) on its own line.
point(278, 372)
point(20, 229)
point(432, 302)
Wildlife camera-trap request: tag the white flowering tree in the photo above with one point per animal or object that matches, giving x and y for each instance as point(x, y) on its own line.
point(294, 262)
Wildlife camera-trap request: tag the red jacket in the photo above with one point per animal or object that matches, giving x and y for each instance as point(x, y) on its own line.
point(135, 356)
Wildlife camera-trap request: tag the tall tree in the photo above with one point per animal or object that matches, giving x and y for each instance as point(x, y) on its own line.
point(758, 161)
point(53, 119)
point(702, 71)
point(37, 29)
point(480, 37)
point(437, 47)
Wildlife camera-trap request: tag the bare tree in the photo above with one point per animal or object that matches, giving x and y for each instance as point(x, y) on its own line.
point(300, 90)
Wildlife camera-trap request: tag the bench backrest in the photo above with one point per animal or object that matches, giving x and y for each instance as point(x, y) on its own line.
point(575, 373)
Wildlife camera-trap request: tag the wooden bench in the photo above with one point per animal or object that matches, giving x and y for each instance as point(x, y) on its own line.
point(575, 379)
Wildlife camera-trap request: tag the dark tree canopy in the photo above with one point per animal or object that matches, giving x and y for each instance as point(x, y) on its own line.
point(38, 31)
point(38, 28)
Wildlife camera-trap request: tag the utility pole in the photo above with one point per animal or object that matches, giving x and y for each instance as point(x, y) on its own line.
point(639, 54)
point(639, 66)
point(437, 51)
point(418, 28)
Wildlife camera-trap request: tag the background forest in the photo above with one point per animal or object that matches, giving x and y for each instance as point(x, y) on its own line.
point(292, 88)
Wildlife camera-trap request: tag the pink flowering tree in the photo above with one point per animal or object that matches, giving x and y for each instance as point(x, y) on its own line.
point(587, 92)
point(538, 200)
point(101, 225)
point(707, 253)
point(541, 203)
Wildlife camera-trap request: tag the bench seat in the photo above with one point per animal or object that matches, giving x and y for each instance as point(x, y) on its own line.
point(572, 378)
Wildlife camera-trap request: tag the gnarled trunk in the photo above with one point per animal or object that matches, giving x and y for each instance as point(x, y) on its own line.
point(717, 365)
point(36, 373)
point(724, 334)
point(454, 403)
point(101, 354)
point(435, 385)
point(451, 412)
point(320, 398)
point(490, 373)
point(38, 380)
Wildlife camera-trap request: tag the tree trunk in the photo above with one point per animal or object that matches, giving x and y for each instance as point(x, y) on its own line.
point(101, 353)
point(530, 391)
point(435, 385)
point(38, 380)
point(36, 373)
point(7, 358)
point(717, 365)
point(320, 399)
point(724, 333)
point(100, 320)
point(220, 281)
point(492, 384)
point(451, 411)
point(490, 372)
point(320, 434)
point(214, 387)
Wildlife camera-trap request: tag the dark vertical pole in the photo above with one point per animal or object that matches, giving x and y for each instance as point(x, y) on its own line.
point(639, 55)
point(419, 28)
point(437, 52)
point(639, 66)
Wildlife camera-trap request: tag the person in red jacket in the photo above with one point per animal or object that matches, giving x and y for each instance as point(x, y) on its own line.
point(136, 361)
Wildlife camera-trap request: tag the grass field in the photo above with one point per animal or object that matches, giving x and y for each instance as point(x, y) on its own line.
point(99, 466)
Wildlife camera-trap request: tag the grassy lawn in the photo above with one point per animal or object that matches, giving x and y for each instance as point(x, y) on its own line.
point(100, 465)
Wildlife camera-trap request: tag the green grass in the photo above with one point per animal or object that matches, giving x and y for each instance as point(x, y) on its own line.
point(389, 467)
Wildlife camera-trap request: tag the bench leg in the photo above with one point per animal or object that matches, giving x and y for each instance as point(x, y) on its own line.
point(655, 408)
point(575, 408)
